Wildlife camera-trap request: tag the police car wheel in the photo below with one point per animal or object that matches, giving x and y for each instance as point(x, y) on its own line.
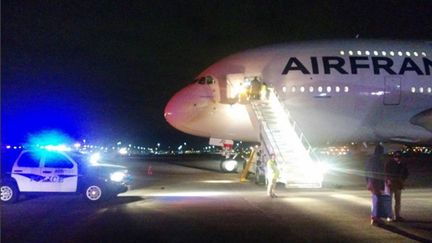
point(94, 193)
point(9, 192)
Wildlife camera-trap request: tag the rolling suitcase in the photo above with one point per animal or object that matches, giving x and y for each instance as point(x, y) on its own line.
point(384, 206)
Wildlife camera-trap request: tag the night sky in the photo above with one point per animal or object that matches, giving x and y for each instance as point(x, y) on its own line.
point(105, 70)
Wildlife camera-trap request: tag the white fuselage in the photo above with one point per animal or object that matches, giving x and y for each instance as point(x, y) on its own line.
point(338, 91)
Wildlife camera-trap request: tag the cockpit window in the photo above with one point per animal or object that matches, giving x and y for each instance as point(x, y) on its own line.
point(209, 80)
point(204, 80)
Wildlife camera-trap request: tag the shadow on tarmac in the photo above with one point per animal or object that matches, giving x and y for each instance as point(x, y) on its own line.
point(418, 222)
point(116, 201)
point(403, 232)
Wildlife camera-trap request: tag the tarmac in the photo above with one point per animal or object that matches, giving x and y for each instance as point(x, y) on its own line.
point(172, 203)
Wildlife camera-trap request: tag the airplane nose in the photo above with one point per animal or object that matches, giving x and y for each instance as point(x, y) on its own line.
point(186, 110)
point(176, 109)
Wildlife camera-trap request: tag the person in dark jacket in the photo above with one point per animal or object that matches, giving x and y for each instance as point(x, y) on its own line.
point(396, 174)
point(375, 180)
point(255, 89)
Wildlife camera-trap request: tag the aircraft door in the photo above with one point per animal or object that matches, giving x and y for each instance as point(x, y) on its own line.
point(392, 91)
point(235, 85)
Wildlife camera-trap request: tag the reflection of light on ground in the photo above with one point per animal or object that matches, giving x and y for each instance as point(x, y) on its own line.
point(190, 194)
point(300, 200)
point(351, 198)
point(219, 181)
point(102, 210)
point(348, 171)
point(344, 209)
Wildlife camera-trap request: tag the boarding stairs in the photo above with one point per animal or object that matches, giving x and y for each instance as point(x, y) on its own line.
point(279, 134)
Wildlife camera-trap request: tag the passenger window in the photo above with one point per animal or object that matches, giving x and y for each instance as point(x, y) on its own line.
point(29, 160)
point(56, 160)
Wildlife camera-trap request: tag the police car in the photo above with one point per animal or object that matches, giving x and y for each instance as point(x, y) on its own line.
point(42, 171)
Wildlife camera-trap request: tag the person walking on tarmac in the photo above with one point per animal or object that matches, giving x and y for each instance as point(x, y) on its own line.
point(396, 174)
point(375, 181)
point(272, 176)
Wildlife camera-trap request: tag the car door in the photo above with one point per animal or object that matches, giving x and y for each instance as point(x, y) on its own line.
point(60, 173)
point(26, 171)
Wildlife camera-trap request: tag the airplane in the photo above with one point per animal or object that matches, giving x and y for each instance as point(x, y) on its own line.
point(334, 92)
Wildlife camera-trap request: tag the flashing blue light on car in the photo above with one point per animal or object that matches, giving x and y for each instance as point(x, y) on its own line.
point(60, 147)
point(52, 139)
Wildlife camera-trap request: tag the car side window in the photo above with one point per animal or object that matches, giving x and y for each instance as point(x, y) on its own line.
point(29, 160)
point(56, 160)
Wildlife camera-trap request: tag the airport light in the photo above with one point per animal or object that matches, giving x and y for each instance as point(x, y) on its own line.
point(123, 151)
point(94, 158)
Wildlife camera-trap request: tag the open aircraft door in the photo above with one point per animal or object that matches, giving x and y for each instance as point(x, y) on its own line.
point(392, 91)
point(238, 85)
point(235, 85)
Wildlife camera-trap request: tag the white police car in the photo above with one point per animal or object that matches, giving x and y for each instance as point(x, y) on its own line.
point(42, 171)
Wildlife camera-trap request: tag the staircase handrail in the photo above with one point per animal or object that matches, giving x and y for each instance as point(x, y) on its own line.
point(265, 135)
point(296, 128)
